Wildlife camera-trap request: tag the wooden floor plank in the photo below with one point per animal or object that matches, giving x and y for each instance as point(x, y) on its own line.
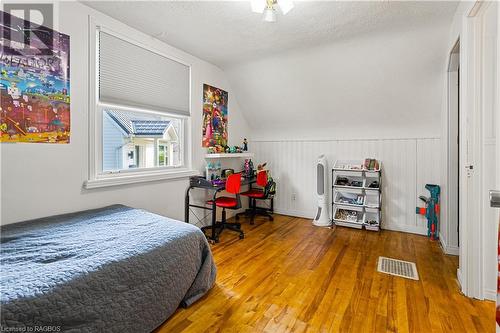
point(289, 276)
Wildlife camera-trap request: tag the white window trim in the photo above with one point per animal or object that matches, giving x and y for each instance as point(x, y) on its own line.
point(96, 177)
point(166, 152)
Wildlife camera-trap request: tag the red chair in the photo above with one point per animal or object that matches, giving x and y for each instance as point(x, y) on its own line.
point(233, 185)
point(263, 193)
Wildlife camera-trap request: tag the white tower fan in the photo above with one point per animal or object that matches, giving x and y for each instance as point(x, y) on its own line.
point(322, 218)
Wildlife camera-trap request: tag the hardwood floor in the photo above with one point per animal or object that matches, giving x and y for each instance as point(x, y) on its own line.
point(288, 276)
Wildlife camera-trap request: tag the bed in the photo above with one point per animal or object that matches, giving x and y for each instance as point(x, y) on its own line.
point(114, 269)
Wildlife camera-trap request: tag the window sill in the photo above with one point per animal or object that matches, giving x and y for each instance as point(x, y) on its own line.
point(143, 177)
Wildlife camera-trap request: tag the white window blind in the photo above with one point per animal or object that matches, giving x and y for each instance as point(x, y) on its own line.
point(132, 76)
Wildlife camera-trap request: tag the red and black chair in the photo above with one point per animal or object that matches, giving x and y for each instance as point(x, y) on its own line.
point(265, 192)
point(233, 185)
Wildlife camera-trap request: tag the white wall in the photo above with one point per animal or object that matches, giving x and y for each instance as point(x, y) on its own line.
point(384, 84)
point(408, 164)
point(375, 95)
point(43, 179)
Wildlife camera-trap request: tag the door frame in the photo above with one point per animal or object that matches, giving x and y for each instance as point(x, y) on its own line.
point(449, 243)
point(471, 268)
point(498, 97)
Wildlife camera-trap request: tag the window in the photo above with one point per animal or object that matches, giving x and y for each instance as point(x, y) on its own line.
point(164, 154)
point(137, 140)
point(141, 113)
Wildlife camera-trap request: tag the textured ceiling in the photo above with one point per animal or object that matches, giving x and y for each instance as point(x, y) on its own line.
point(229, 33)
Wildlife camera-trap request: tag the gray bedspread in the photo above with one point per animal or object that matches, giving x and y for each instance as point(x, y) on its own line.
point(115, 269)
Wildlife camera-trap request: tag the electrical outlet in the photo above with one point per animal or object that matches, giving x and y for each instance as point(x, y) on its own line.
point(294, 196)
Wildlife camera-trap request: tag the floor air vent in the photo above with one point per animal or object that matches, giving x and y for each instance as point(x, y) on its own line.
point(396, 267)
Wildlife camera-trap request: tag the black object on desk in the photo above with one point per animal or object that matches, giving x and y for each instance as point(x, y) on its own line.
point(201, 183)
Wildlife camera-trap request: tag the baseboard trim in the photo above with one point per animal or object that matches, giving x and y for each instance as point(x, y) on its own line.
point(409, 229)
point(451, 250)
point(308, 215)
point(448, 249)
point(294, 213)
point(490, 294)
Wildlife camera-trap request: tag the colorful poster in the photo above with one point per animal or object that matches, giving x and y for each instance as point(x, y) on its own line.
point(35, 83)
point(214, 116)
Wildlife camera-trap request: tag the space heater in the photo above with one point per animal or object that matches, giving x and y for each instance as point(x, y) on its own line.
point(322, 218)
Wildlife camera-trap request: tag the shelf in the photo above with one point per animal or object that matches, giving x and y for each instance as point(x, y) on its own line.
point(371, 216)
point(229, 155)
point(349, 224)
point(371, 208)
point(371, 189)
point(349, 189)
point(347, 206)
point(369, 179)
point(372, 227)
point(345, 166)
point(350, 179)
point(349, 170)
point(346, 223)
point(339, 195)
point(372, 200)
point(356, 171)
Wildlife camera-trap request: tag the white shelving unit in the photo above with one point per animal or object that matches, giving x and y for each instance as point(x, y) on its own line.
point(229, 155)
point(355, 200)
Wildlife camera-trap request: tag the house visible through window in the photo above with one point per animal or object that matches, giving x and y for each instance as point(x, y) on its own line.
point(134, 140)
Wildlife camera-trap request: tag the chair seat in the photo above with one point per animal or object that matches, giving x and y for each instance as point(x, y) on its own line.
point(254, 193)
point(225, 202)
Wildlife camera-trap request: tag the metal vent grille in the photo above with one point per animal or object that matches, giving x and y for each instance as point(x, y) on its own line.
point(396, 267)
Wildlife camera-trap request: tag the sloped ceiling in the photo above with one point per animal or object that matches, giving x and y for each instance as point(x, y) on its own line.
point(228, 32)
point(328, 69)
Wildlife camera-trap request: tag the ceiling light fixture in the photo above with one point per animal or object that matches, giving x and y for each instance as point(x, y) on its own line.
point(268, 8)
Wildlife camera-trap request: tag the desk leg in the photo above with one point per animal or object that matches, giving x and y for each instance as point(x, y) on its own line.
point(186, 206)
point(250, 198)
point(214, 221)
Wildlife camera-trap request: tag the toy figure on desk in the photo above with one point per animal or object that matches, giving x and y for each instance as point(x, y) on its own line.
point(245, 144)
point(248, 168)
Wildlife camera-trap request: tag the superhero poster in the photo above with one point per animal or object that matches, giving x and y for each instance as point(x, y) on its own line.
point(214, 116)
point(35, 83)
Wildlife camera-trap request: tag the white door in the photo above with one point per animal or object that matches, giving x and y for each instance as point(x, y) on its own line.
point(489, 167)
point(479, 153)
point(469, 87)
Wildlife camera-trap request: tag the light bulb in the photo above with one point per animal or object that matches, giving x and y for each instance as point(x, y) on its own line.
point(270, 15)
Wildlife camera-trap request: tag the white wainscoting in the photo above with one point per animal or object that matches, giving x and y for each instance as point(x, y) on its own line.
point(408, 164)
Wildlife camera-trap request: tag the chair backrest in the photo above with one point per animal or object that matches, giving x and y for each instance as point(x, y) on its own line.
point(233, 183)
point(262, 178)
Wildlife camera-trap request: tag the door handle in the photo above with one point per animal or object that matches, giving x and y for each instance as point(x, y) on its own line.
point(494, 199)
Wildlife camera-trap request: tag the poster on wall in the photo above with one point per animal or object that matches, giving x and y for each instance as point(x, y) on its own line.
point(214, 116)
point(35, 83)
